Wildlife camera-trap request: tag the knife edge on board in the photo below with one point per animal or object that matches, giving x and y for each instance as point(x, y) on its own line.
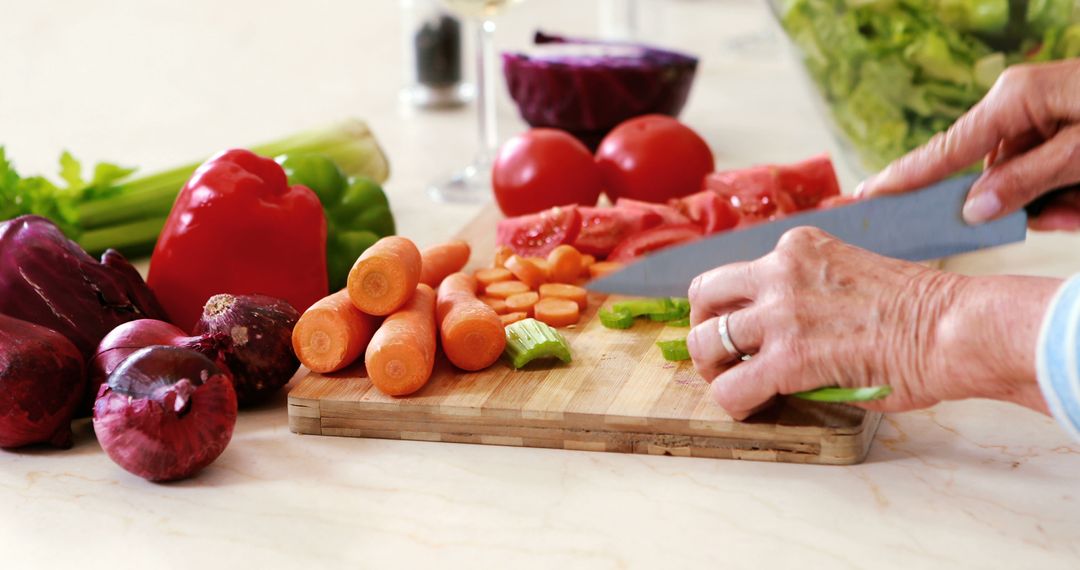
point(921, 225)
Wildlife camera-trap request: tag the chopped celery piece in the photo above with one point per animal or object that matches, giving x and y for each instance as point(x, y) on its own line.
point(644, 307)
point(841, 395)
point(674, 350)
point(616, 319)
point(683, 322)
point(531, 339)
point(680, 308)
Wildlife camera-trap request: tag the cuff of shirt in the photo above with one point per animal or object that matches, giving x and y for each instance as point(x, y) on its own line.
point(1058, 360)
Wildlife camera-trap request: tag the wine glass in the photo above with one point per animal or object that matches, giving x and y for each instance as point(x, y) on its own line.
point(473, 183)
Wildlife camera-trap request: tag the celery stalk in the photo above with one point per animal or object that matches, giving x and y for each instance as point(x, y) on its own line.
point(841, 395)
point(531, 339)
point(674, 350)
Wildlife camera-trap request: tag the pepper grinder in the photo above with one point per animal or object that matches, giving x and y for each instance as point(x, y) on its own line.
point(433, 51)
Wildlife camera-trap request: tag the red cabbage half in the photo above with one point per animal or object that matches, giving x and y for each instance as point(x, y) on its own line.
point(587, 87)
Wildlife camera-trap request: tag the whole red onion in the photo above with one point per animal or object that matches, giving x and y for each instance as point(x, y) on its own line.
point(41, 383)
point(165, 413)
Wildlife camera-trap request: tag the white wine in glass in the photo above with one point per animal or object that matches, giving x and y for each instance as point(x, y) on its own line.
point(473, 183)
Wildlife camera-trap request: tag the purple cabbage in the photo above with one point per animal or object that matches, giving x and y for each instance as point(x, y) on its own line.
point(587, 87)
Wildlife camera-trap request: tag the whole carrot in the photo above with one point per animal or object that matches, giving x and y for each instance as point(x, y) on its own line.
point(385, 276)
point(471, 331)
point(332, 333)
point(400, 356)
point(441, 260)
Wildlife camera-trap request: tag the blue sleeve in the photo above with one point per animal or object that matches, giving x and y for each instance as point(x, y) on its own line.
point(1058, 358)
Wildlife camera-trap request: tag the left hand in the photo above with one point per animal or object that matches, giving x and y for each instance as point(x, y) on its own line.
point(818, 312)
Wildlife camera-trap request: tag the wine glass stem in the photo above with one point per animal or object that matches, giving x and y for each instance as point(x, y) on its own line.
point(485, 92)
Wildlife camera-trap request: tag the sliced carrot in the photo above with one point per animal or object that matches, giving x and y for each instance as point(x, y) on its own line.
point(511, 318)
point(602, 268)
point(545, 267)
point(441, 260)
point(332, 333)
point(471, 332)
point(385, 276)
point(557, 312)
point(526, 271)
point(565, 262)
point(504, 289)
point(401, 355)
point(522, 302)
point(486, 277)
point(495, 303)
point(502, 253)
point(586, 262)
point(564, 291)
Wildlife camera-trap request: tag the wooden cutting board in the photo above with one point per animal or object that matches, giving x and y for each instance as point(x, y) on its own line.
point(618, 394)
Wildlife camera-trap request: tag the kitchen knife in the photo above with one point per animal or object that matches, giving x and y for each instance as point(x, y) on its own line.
point(921, 225)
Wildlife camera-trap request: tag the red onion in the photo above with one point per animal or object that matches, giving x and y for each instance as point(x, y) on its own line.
point(165, 413)
point(41, 383)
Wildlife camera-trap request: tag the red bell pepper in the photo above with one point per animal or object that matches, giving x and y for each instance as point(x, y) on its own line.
point(238, 227)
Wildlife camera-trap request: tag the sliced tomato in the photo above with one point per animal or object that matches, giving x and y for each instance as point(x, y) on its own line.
point(709, 211)
point(654, 239)
point(835, 201)
point(535, 235)
point(603, 228)
point(669, 215)
point(810, 181)
point(755, 192)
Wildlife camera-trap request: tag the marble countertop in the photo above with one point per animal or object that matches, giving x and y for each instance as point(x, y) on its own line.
point(973, 484)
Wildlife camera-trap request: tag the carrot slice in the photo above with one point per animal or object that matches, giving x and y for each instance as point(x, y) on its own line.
point(332, 333)
point(602, 268)
point(495, 303)
point(504, 289)
point(502, 253)
point(543, 265)
point(564, 291)
point(441, 260)
point(526, 271)
point(471, 331)
point(522, 302)
point(385, 276)
point(401, 355)
point(586, 262)
point(557, 312)
point(511, 318)
point(486, 277)
point(565, 263)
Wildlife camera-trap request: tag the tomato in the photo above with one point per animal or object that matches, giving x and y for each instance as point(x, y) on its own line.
point(542, 168)
point(535, 235)
point(653, 158)
point(709, 211)
point(603, 228)
point(644, 242)
point(669, 215)
point(810, 181)
point(755, 192)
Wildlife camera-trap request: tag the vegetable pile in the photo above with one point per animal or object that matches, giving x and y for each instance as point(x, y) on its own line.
point(895, 72)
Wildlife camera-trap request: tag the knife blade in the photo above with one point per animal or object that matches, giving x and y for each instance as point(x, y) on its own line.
point(917, 226)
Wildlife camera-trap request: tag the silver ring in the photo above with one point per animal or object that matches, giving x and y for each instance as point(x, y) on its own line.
point(725, 338)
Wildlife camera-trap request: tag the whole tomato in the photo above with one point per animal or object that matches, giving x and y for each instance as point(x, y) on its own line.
point(653, 158)
point(543, 168)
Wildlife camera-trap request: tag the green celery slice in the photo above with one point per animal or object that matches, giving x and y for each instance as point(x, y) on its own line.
point(644, 307)
point(683, 322)
point(841, 395)
point(674, 350)
point(616, 319)
point(530, 339)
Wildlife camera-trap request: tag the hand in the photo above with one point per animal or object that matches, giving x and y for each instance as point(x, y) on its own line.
point(1027, 129)
point(818, 312)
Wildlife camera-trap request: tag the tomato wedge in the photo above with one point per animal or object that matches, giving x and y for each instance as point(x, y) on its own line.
point(810, 181)
point(603, 228)
point(654, 239)
point(755, 192)
point(535, 235)
point(669, 215)
point(709, 211)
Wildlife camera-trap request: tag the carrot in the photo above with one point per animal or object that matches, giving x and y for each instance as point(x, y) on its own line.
point(557, 312)
point(401, 355)
point(602, 268)
point(472, 334)
point(568, 292)
point(511, 318)
point(522, 302)
point(565, 262)
point(385, 276)
point(501, 255)
point(441, 260)
point(495, 303)
point(526, 271)
point(587, 261)
point(543, 265)
point(494, 275)
point(504, 289)
point(332, 333)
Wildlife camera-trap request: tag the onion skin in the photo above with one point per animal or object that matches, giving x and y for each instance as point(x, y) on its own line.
point(41, 384)
point(165, 413)
point(260, 355)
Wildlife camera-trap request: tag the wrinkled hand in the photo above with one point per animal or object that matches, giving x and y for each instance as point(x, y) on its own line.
point(818, 312)
point(1027, 130)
